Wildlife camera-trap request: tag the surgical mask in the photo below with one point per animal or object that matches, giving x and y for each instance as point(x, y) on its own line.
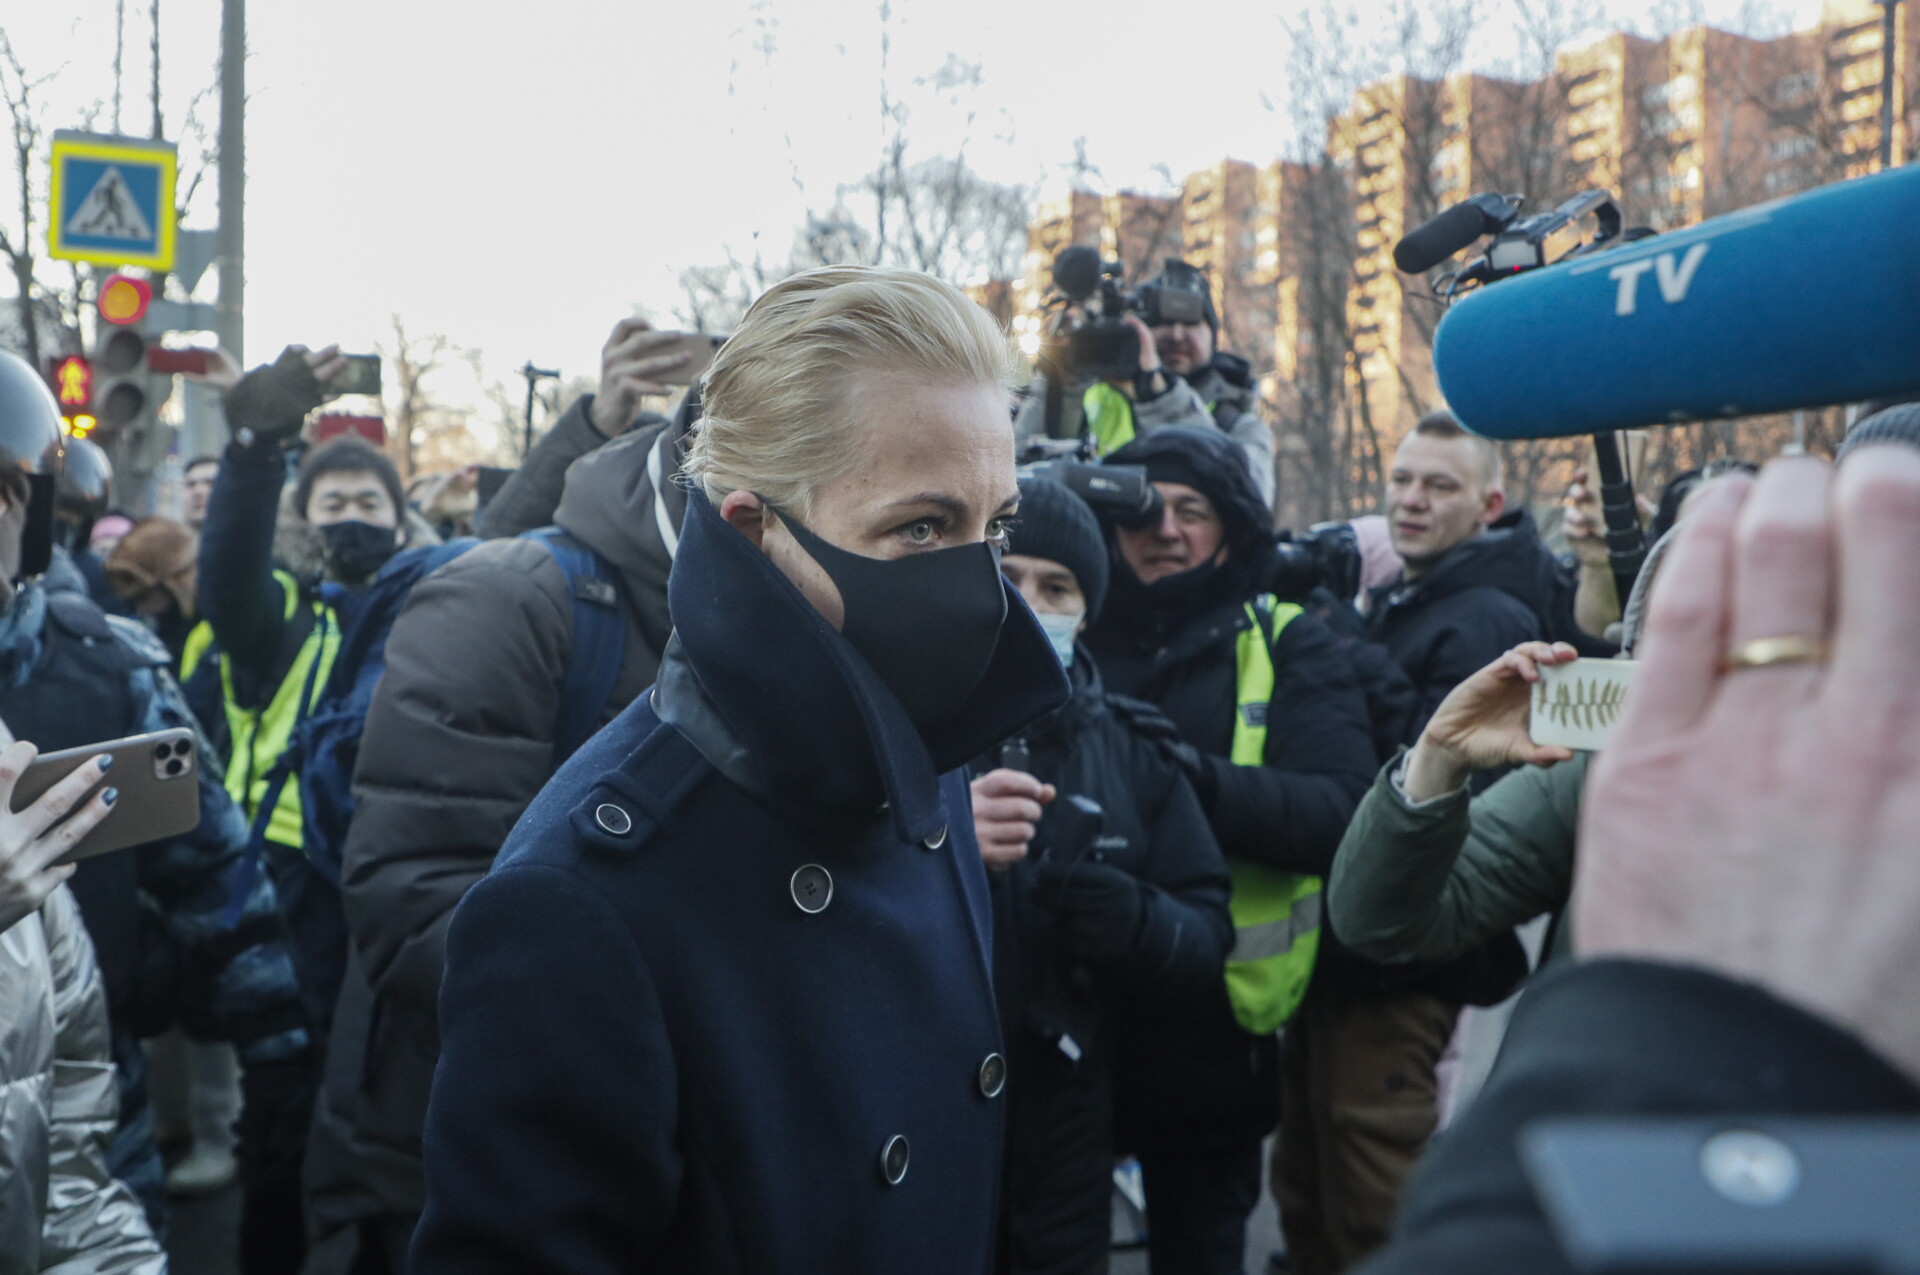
point(928, 623)
point(1061, 630)
point(355, 551)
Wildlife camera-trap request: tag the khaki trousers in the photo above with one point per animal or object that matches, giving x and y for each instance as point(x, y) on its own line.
point(1358, 1105)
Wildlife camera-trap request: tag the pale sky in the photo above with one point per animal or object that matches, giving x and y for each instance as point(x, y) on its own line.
point(518, 177)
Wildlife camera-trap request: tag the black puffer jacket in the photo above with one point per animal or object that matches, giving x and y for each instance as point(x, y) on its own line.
point(1057, 1013)
point(1485, 597)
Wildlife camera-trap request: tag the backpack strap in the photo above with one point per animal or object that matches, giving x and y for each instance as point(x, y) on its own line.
point(599, 637)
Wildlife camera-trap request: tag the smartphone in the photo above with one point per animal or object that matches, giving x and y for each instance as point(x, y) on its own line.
point(699, 348)
point(159, 795)
point(362, 375)
point(177, 362)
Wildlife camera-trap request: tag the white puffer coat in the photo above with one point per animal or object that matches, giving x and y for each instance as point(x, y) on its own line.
point(60, 1211)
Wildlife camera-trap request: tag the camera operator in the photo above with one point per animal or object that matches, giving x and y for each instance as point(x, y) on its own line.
point(1125, 904)
point(1745, 914)
point(1183, 379)
point(1272, 728)
point(1478, 581)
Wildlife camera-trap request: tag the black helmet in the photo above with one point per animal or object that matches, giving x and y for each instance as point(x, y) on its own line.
point(31, 444)
point(86, 482)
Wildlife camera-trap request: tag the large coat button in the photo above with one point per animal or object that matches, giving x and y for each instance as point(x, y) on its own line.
point(812, 888)
point(893, 1160)
point(938, 839)
point(613, 819)
point(993, 1075)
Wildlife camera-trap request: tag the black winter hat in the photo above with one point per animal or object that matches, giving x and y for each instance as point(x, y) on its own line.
point(1205, 460)
point(1899, 424)
point(1055, 524)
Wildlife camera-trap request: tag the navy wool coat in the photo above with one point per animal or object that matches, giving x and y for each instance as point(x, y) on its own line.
point(724, 1003)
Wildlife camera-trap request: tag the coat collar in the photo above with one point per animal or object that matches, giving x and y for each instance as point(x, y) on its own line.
point(778, 701)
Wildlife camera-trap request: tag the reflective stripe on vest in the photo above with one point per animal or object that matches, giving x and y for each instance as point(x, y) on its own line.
point(259, 736)
point(1276, 915)
point(1109, 416)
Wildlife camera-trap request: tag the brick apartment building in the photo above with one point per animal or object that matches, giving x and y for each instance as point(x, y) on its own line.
point(1679, 129)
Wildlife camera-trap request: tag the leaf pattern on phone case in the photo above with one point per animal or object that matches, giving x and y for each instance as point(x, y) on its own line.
point(1584, 703)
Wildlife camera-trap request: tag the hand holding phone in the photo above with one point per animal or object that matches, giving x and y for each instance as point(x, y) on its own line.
point(153, 775)
point(35, 843)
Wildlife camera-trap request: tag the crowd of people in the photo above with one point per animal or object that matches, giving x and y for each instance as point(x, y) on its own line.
point(786, 834)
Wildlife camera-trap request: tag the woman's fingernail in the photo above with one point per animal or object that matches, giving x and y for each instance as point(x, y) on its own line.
point(110, 796)
point(106, 761)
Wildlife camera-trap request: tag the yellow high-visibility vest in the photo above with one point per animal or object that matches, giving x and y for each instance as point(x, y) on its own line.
point(260, 735)
point(1276, 915)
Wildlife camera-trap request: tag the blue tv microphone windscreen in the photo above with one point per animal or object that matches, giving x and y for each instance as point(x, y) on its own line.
point(1805, 302)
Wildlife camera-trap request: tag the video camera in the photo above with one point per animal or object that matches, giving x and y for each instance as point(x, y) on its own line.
point(1121, 493)
point(1100, 346)
point(1324, 556)
point(1518, 245)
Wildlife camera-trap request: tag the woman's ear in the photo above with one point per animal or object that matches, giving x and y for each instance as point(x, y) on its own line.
point(747, 514)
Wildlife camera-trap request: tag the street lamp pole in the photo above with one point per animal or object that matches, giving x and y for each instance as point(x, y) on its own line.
point(534, 376)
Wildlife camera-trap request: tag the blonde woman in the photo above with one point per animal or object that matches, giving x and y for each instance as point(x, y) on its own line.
point(724, 1002)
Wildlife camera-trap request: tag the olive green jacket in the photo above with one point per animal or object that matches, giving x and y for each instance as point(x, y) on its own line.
point(1430, 883)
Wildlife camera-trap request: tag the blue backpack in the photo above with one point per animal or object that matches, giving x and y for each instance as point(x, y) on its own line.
point(325, 742)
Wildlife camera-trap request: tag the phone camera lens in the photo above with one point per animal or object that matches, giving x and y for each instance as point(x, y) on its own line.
point(175, 767)
point(162, 751)
point(181, 748)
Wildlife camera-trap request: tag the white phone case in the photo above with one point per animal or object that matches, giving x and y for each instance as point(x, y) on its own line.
point(1575, 705)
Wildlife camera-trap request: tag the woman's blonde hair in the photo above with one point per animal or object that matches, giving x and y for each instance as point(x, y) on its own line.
point(776, 401)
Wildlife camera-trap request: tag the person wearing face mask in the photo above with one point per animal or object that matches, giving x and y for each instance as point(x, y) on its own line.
point(1133, 907)
point(725, 1000)
point(273, 636)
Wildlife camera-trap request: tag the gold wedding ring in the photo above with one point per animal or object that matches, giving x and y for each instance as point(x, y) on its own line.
point(1766, 652)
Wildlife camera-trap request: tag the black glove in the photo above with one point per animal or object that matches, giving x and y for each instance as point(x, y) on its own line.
point(1097, 909)
point(273, 400)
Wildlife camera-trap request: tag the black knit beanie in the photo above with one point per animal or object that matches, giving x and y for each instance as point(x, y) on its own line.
point(1055, 524)
point(1892, 425)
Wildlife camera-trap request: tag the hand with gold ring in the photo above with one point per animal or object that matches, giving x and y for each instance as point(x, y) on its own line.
point(1757, 810)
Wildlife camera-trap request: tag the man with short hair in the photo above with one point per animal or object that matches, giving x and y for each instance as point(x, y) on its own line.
point(1478, 581)
point(196, 482)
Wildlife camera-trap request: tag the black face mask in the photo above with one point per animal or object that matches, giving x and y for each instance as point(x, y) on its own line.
point(355, 551)
point(928, 622)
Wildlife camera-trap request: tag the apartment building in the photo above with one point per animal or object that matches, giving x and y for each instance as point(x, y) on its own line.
point(1679, 129)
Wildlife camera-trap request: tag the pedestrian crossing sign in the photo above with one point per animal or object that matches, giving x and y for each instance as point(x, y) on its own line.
point(112, 201)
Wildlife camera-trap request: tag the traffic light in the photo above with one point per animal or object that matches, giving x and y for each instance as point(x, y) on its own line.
point(71, 376)
point(125, 393)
